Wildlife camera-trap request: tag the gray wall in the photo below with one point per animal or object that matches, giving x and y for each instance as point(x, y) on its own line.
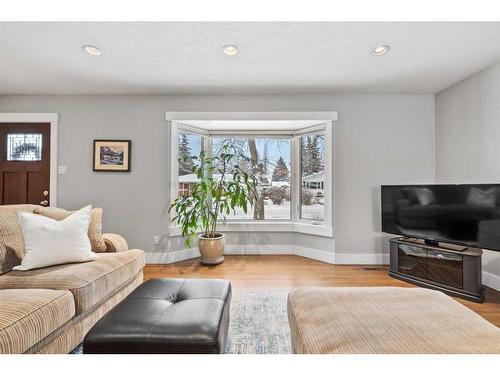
point(379, 139)
point(468, 141)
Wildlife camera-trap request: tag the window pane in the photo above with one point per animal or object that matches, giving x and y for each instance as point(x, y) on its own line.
point(24, 147)
point(272, 172)
point(312, 167)
point(188, 145)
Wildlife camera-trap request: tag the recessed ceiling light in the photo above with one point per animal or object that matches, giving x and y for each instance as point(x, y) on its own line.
point(381, 50)
point(92, 50)
point(230, 50)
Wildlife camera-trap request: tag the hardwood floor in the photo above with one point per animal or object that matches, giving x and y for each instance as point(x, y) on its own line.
point(290, 271)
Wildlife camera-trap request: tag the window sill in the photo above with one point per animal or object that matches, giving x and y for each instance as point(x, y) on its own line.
point(268, 226)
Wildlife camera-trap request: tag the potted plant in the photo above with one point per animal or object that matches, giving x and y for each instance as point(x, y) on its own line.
point(223, 187)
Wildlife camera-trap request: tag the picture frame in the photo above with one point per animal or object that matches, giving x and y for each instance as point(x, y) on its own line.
point(111, 155)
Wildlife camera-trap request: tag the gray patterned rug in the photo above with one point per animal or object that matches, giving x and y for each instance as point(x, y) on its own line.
point(259, 323)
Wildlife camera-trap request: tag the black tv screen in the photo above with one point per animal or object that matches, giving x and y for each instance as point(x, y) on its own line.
point(467, 215)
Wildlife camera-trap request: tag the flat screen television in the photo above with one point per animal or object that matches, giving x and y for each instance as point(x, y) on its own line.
point(467, 215)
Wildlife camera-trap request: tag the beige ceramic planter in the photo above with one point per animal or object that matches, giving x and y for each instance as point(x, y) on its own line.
point(212, 250)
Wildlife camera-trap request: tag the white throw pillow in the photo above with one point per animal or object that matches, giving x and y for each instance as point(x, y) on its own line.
point(49, 242)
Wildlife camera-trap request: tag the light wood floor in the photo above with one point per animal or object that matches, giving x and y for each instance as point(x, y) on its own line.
point(290, 271)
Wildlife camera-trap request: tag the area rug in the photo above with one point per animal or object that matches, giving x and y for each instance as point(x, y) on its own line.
point(258, 325)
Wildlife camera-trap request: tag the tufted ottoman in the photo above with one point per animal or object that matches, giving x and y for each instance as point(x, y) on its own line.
point(166, 316)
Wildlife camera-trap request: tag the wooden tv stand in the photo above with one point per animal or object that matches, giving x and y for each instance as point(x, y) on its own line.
point(448, 268)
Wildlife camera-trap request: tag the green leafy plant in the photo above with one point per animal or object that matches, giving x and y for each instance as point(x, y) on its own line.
point(223, 187)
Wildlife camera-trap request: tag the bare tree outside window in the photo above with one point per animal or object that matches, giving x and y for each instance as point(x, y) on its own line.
point(273, 195)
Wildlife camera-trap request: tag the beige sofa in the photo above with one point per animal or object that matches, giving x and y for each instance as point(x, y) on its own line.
point(49, 310)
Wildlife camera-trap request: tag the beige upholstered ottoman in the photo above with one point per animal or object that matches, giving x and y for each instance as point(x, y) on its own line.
point(385, 320)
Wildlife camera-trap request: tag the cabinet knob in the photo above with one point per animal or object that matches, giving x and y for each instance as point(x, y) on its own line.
point(45, 193)
point(44, 203)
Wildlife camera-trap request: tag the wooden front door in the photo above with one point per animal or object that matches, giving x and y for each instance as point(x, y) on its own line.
point(24, 163)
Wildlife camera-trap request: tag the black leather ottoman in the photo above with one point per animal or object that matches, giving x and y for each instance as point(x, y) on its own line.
point(166, 316)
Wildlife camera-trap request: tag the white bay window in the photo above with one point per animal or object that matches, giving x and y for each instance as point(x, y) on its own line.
point(292, 161)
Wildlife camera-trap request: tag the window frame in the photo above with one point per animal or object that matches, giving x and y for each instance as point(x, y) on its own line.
point(295, 223)
point(256, 135)
point(327, 177)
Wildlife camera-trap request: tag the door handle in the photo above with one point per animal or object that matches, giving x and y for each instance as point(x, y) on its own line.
point(44, 203)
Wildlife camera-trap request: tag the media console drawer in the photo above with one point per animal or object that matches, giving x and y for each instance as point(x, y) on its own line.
point(448, 270)
point(412, 260)
point(445, 268)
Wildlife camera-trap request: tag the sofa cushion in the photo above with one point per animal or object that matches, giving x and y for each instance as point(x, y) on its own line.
point(11, 235)
point(95, 227)
point(90, 283)
point(29, 315)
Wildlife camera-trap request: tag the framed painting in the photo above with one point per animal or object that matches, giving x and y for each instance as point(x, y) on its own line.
point(111, 155)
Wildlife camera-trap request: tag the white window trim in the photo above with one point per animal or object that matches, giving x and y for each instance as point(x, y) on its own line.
point(328, 196)
point(325, 229)
point(251, 116)
point(53, 119)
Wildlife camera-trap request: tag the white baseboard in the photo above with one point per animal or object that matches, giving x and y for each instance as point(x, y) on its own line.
point(490, 280)
point(177, 256)
point(371, 259)
point(171, 257)
point(258, 250)
point(323, 256)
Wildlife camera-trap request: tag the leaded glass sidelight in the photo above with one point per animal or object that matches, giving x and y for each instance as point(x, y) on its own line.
point(24, 147)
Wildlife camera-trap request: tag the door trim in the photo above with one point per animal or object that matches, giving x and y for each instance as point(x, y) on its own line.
point(53, 119)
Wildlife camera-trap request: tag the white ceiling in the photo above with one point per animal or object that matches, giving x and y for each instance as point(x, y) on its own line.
point(275, 57)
